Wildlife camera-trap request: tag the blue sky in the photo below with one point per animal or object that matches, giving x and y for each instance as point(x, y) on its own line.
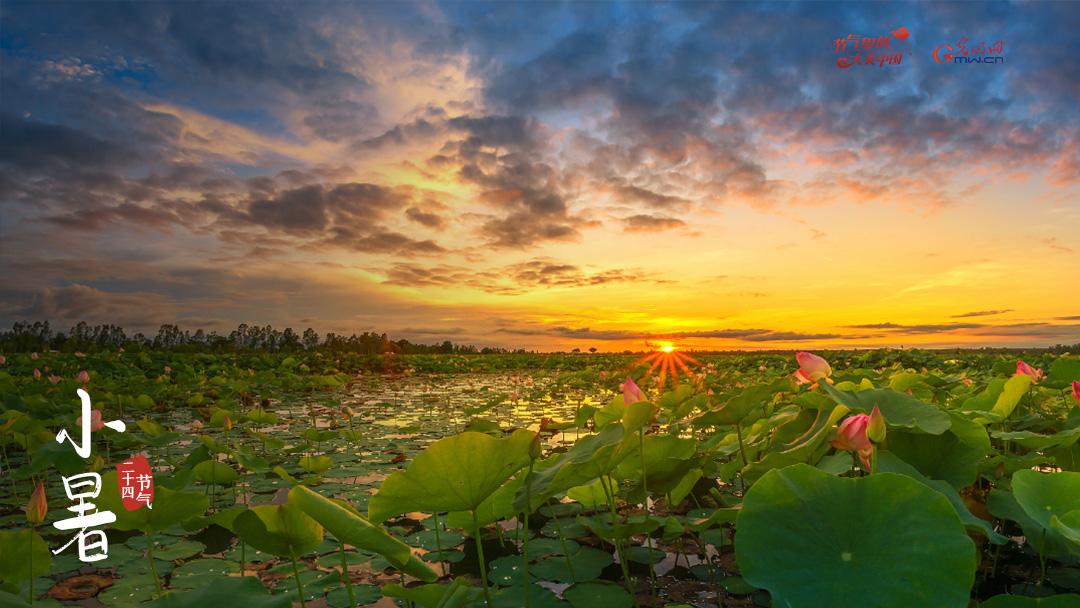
point(543, 174)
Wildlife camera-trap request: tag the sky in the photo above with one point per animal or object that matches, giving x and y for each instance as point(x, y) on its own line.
point(545, 175)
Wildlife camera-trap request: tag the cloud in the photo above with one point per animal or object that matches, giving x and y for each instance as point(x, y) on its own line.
point(651, 223)
point(512, 279)
point(982, 313)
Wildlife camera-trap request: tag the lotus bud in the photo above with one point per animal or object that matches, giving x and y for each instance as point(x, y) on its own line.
point(33, 356)
point(83, 376)
point(96, 423)
point(851, 436)
point(1027, 370)
point(227, 423)
point(875, 427)
point(631, 392)
point(812, 367)
point(38, 505)
point(535, 449)
point(3, 359)
point(37, 374)
point(1076, 390)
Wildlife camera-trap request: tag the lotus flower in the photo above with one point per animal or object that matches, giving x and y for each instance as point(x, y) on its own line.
point(197, 425)
point(83, 377)
point(1027, 370)
point(33, 356)
point(811, 368)
point(96, 423)
point(3, 359)
point(851, 437)
point(631, 393)
point(37, 374)
point(168, 370)
point(1076, 390)
point(54, 379)
point(38, 505)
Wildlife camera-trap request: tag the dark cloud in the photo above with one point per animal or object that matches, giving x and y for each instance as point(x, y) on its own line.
point(651, 223)
point(922, 328)
point(982, 313)
point(512, 279)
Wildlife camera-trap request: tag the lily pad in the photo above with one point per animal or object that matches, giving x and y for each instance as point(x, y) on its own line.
point(813, 539)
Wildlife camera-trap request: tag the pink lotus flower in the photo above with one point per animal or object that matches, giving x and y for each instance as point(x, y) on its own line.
point(968, 381)
point(80, 355)
point(3, 359)
point(197, 425)
point(83, 377)
point(811, 368)
point(54, 379)
point(33, 356)
point(1076, 390)
point(851, 437)
point(38, 505)
point(96, 423)
point(37, 374)
point(1027, 370)
point(631, 393)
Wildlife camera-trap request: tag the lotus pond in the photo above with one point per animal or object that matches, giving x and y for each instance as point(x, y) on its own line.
point(874, 478)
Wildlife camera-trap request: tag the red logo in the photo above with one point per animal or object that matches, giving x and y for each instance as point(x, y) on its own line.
point(136, 483)
point(879, 50)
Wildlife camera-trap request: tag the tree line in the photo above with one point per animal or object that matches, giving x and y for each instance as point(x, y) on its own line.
point(25, 336)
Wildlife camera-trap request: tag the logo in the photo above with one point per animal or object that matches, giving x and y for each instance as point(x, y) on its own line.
point(960, 53)
point(872, 50)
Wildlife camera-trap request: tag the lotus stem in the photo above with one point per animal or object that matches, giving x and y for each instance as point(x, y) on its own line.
point(438, 540)
point(480, 557)
point(345, 576)
point(742, 448)
point(648, 512)
point(562, 540)
point(150, 558)
point(618, 545)
point(296, 575)
point(525, 555)
point(30, 590)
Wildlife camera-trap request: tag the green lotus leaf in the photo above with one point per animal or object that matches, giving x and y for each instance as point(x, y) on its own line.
point(224, 591)
point(884, 541)
point(1046, 496)
point(899, 409)
point(953, 456)
point(1010, 396)
point(169, 508)
point(457, 594)
point(1068, 600)
point(351, 528)
point(589, 458)
point(316, 464)
point(23, 555)
point(453, 474)
point(598, 593)
point(282, 530)
point(887, 462)
point(215, 473)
